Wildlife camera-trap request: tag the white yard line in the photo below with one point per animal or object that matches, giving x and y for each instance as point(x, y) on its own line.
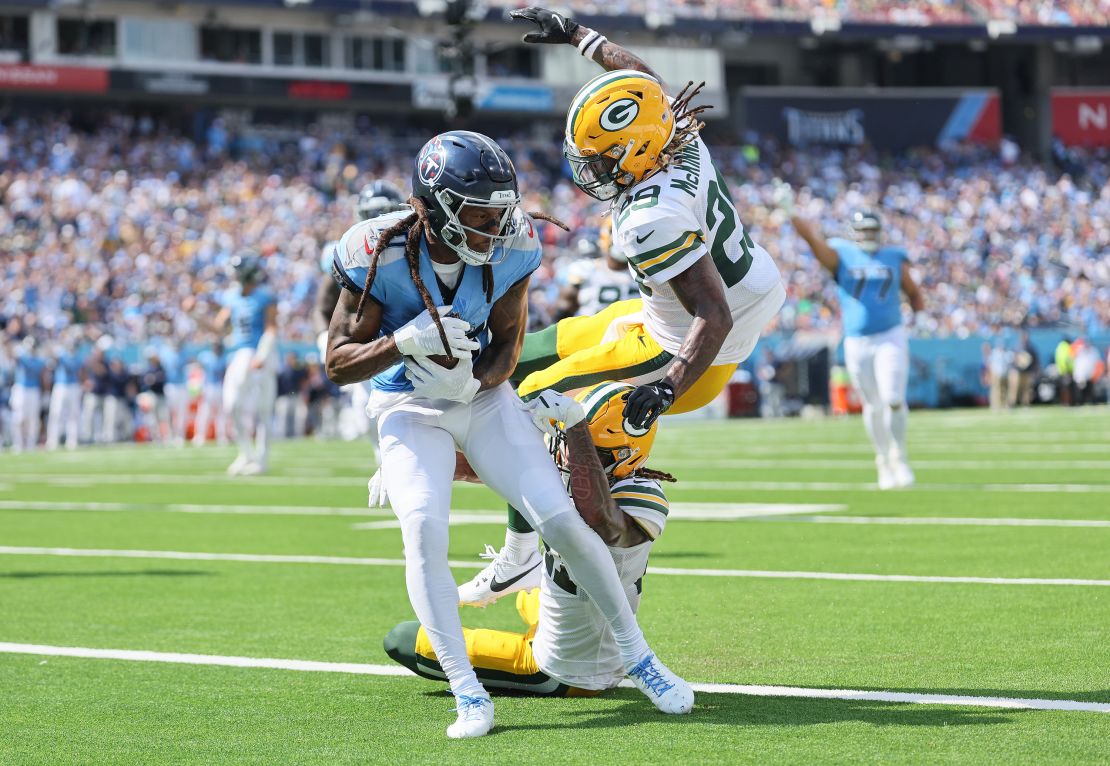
point(356, 482)
point(352, 668)
point(262, 558)
point(953, 521)
point(248, 510)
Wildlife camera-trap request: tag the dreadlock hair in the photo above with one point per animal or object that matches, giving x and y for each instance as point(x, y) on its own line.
point(648, 473)
point(687, 124)
point(415, 223)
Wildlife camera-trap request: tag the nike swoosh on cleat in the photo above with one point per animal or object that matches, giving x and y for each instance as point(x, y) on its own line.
point(497, 586)
point(643, 239)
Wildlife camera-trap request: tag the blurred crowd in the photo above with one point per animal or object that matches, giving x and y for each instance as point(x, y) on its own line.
point(920, 12)
point(116, 232)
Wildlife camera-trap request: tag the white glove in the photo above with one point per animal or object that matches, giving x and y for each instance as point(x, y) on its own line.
point(432, 381)
point(378, 496)
point(551, 408)
point(420, 337)
point(784, 198)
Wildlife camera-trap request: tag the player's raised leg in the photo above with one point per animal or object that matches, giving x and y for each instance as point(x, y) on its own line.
point(892, 361)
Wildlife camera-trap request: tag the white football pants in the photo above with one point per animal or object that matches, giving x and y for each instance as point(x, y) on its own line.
point(65, 415)
point(26, 404)
point(879, 366)
point(177, 403)
point(418, 438)
point(249, 397)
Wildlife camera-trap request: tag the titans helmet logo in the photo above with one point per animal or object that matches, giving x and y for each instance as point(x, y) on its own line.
point(431, 162)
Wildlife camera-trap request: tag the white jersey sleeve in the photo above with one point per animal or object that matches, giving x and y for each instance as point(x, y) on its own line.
point(661, 237)
point(645, 501)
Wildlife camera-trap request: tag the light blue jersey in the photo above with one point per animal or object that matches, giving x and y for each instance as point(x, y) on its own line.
point(67, 369)
point(174, 362)
point(870, 287)
point(394, 291)
point(248, 316)
point(28, 371)
point(214, 366)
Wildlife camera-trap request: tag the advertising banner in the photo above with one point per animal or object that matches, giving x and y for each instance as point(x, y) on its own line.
point(1081, 117)
point(58, 79)
point(886, 119)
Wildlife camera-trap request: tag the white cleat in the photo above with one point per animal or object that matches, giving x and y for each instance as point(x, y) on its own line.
point(886, 474)
point(253, 468)
point(237, 466)
point(475, 717)
point(500, 578)
point(662, 686)
point(903, 474)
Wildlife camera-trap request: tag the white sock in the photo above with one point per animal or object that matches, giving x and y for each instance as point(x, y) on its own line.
point(896, 418)
point(874, 420)
point(519, 546)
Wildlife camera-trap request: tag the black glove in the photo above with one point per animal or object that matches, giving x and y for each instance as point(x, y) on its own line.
point(646, 403)
point(554, 28)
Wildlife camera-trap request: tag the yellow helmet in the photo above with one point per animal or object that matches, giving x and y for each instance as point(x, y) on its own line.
point(622, 447)
point(617, 127)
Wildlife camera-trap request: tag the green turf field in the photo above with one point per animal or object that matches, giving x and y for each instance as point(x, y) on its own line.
point(1018, 503)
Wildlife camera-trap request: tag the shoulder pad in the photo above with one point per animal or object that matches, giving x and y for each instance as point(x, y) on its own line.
point(351, 259)
point(656, 243)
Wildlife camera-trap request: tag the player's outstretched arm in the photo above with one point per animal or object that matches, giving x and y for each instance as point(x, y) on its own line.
point(355, 352)
point(702, 293)
point(912, 291)
point(555, 29)
point(825, 255)
point(508, 319)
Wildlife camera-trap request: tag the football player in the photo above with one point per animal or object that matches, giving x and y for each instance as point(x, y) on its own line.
point(250, 382)
point(64, 418)
point(26, 396)
point(707, 290)
point(596, 280)
point(376, 199)
point(870, 279)
point(567, 650)
point(210, 408)
point(433, 310)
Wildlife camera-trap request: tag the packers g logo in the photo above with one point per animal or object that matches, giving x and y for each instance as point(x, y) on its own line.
point(619, 114)
point(631, 430)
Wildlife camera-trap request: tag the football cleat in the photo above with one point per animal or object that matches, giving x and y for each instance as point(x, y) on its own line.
point(500, 578)
point(253, 468)
point(237, 465)
point(886, 474)
point(475, 717)
point(662, 686)
point(903, 474)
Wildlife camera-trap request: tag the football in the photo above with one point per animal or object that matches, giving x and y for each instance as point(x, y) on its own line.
point(444, 360)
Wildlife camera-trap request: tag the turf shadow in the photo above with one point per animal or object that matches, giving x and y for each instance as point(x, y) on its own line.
point(134, 573)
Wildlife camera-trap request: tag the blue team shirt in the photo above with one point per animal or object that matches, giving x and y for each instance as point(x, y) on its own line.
point(67, 370)
point(214, 366)
point(401, 303)
point(248, 316)
point(870, 287)
point(28, 371)
point(173, 362)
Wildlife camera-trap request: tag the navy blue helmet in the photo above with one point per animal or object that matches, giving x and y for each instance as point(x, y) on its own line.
point(379, 198)
point(867, 226)
point(462, 169)
point(247, 266)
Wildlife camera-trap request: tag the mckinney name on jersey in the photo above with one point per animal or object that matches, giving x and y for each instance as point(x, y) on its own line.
point(395, 292)
point(671, 219)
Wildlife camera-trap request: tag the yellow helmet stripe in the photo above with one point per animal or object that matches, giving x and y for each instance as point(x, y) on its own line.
point(599, 396)
point(589, 89)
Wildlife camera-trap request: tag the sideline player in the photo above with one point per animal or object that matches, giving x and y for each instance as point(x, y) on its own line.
point(26, 396)
point(64, 418)
point(707, 290)
point(870, 279)
point(451, 278)
point(597, 279)
point(213, 364)
point(250, 383)
point(567, 650)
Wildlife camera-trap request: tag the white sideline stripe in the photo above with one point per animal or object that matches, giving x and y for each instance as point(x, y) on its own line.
point(249, 510)
point(869, 465)
point(79, 480)
point(684, 511)
point(262, 558)
point(353, 668)
point(954, 521)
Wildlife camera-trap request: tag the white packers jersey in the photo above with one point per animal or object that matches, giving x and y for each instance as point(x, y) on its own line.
point(573, 643)
point(599, 286)
point(666, 223)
